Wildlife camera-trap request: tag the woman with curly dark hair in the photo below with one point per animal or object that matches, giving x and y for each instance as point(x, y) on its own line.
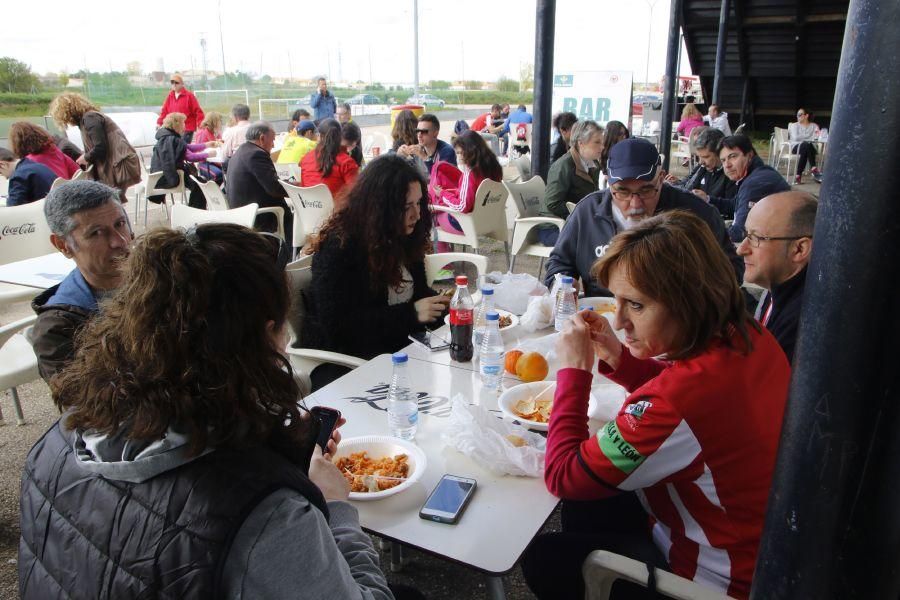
point(27, 140)
point(368, 290)
point(330, 162)
point(183, 465)
point(455, 187)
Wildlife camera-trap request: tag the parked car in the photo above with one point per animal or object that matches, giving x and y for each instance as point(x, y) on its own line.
point(364, 99)
point(425, 100)
point(637, 102)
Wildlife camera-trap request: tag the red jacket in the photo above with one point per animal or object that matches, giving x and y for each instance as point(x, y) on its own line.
point(342, 174)
point(56, 161)
point(696, 441)
point(187, 104)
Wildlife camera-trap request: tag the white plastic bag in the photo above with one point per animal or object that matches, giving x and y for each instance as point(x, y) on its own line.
point(481, 436)
point(539, 314)
point(512, 291)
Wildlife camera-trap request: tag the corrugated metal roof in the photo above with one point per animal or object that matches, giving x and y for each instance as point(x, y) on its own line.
point(788, 49)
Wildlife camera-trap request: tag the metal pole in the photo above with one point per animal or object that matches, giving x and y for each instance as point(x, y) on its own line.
point(544, 33)
point(652, 5)
point(222, 46)
point(416, 48)
point(720, 49)
point(832, 529)
point(671, 91)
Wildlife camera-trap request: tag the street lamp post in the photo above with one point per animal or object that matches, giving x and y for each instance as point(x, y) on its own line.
point(652, 5)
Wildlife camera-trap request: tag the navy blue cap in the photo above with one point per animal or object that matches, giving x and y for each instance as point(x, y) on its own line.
point(305, 126)
point(634, 158)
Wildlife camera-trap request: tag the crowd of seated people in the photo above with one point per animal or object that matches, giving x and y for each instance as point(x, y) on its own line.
point(658, 244)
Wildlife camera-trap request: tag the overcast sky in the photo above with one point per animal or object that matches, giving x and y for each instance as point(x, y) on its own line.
point(470, 39)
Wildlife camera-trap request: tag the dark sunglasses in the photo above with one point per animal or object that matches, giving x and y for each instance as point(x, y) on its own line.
point(425, 131)
point(173, 81)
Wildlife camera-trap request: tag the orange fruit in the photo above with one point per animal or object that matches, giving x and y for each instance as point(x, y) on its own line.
point(532, 366)
point(511, 358)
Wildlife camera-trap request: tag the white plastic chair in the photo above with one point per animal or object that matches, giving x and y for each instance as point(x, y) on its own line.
point(312, 206)
point(32, 238)
point(780, 152)
point(304, 360)
point(18, 363)
point(526, 198)
point(148, 188)
point(215, 199)
point(516, 145)
point(571, 207)
point(294, 171)
point(487, 219)
point(602, 568)
point(185, 216)
point(57, 182)
point(82, 173)
point(523, 166)
point(434, 263)
point(283, 170)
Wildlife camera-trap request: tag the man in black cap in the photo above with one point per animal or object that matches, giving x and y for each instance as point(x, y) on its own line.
point(636, 192)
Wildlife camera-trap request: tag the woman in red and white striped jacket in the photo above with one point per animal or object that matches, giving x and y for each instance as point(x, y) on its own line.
point(456, 188)
point(680, 478)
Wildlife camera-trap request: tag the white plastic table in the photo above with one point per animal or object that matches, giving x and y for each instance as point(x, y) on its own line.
point(39, 272)
point(505, 513)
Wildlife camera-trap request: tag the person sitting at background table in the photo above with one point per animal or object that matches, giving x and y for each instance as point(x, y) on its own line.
point(28, 180)
point(692, 450)
point(27, 140)
point(615, 133)
point(329, 162)
point(351, 137)
point(801, 135)
point(562, 123)
point(184, 422)
point(455, 187)
point(210, 130)
point(298, 145)
point(301, 114)
point(406, 141)
point(707, 180)
point(572, 177)
point(171, 154)
point(368, 290)
point(690, 117)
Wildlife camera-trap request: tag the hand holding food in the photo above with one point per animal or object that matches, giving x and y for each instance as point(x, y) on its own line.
point(574, 346)
point(429, 309)
point(607, 346)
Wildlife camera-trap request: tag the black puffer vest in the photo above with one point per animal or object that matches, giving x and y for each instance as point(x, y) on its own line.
point(86, 536)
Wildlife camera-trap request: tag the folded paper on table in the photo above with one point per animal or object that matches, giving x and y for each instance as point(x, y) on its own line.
point(481, 436)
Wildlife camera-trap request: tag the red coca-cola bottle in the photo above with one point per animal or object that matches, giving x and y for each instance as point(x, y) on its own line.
point(462, 321)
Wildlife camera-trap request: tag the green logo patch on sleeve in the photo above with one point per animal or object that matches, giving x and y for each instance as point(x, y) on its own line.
point(620, 453)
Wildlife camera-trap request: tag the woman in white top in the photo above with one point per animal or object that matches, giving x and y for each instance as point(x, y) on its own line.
point(801, 135)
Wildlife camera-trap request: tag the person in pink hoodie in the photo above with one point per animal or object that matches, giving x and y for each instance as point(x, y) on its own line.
point(27, 140)
point(690, 117)
point(455, 187)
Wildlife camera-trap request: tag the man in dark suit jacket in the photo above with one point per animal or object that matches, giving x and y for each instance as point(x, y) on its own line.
point(252, 178)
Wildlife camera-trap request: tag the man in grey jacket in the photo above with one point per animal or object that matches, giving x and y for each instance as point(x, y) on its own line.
point(636, 191)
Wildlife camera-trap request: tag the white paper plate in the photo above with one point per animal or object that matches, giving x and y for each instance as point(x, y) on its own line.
point(602, 304)
point(605, 401)
point(509, 398)
point(379, 446)
point(514, 320)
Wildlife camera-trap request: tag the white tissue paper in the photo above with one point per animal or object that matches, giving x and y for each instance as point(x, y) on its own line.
point(481, 436)
point(538, 315)
point(512, 291)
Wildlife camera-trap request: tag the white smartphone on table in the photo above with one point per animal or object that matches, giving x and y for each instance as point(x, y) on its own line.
point(448, 499)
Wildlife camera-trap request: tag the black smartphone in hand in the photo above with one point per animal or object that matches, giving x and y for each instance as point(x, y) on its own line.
point(328, 419)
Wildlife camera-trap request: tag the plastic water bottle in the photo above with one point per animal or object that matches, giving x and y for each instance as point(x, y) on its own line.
point(492, 352)
point(487, 305)
point(403, 406)
point(565, 303)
